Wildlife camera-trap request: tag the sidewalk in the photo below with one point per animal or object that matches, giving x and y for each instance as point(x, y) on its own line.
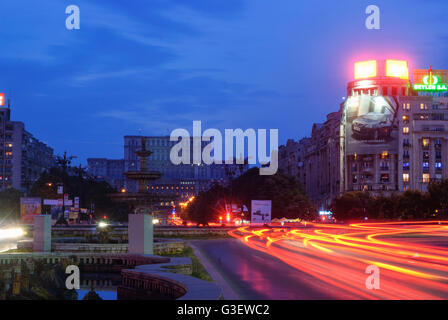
point(228, 293)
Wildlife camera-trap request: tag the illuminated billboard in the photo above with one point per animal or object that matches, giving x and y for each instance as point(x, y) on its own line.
point(397, 69)
point(29, 207)
point(260, 211)
point(371, 124)
point(2, 99)
point(365, 69)
point(430, 80)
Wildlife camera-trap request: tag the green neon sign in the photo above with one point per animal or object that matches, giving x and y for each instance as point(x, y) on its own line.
point(431, 83)
point(430, 87)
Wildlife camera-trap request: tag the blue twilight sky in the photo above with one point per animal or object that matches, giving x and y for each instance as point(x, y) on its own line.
point(150, 66)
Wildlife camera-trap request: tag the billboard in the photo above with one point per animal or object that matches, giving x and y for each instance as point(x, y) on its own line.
point(29, 207)
point(261, 211)
point(371, 124)
point(2, 99)
point(365, 69)
point(397, 69)
point(430, 80)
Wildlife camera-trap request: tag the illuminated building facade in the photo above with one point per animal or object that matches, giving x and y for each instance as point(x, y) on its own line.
point(390, 135)
point(23, 158)
point(109, 170)
point(394, 134)
point(314, 161)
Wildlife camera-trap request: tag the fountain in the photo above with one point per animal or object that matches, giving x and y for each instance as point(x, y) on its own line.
point(143, 200)
point(140, 224)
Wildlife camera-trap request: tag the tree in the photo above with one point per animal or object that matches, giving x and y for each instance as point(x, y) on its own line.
point(284, 191)
point(352, 205)
point(438, 198)
point(88, 190)
point(10, 204)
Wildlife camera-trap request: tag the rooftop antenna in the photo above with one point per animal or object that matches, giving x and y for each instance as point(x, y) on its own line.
point(9, 103)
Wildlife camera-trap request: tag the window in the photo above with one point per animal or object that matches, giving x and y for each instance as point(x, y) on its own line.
point(438, 154)
point(405, 119)
point(425, 155)
point(438, 165)
point(384, 178)
point(405, 130)
point(406, 154)
point(425, 165)
point(425, 143)
point(406, 143)
point(406, 166)
point(426, 178)
point(423, 106)
point(384, 155)
point(405, 177)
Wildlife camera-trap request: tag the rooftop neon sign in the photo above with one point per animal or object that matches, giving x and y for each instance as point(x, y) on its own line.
point(431, 82)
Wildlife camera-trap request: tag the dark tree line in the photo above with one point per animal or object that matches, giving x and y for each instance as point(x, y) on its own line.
point(410, 205)
point(88, 190)
point(284, 191)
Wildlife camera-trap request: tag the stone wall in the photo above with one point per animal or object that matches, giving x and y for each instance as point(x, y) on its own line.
point(143, 276)
point(165, 281)
point(161, 247)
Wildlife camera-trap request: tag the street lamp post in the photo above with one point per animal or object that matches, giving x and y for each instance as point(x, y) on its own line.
point(64, 162)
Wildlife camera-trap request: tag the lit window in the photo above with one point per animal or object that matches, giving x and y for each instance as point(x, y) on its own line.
point(384, 155)
point(405, 177)
point(405, 130)
point(438, 165)
point(423, 106)
point(425, 177)
point(425, 142)
point(405, 119)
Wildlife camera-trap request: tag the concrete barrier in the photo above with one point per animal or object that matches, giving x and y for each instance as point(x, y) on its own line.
point(161, 246)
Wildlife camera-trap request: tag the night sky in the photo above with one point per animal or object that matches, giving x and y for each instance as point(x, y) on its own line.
point(150, 66)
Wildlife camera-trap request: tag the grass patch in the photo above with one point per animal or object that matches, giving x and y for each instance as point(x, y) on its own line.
point(198, 269)
point(193, 236)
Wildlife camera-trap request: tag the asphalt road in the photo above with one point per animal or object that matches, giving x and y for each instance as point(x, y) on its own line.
point(256, 275)
point(358, 261)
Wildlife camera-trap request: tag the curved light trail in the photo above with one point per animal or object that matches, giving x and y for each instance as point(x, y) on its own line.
point(411, 257)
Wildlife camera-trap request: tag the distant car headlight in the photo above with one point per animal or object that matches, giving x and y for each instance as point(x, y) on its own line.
point(102, 224)
point(11, 233)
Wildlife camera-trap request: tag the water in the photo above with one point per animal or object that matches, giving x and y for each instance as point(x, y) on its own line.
point(104, 294)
